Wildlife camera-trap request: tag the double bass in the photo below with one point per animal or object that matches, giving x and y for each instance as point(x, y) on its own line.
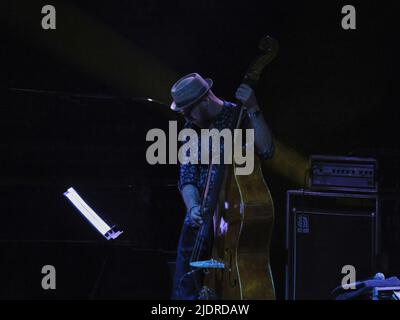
point(239, 211)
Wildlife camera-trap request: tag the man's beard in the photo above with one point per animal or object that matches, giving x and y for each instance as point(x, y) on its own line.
point(204, 122)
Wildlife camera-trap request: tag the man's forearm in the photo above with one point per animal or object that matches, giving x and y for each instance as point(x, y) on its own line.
point(190, 195)
point(262, 133)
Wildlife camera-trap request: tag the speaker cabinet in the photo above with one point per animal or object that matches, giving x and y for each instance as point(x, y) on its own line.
point(326, 231)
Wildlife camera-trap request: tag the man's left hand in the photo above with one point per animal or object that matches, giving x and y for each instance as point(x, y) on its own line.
point(245, 94)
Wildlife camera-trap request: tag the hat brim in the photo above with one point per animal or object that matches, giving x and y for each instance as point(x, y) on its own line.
point(177, 108)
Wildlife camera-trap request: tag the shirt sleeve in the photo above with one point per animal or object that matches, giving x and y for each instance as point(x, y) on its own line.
point(188, 173)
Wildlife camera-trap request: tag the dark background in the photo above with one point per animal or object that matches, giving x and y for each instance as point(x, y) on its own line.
point(329, 91)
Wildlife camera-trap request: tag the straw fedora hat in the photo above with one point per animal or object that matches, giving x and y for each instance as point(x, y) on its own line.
point(188, 90)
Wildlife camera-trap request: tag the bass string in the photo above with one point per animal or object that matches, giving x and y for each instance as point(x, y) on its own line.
point(196, 247)
point(199, 241)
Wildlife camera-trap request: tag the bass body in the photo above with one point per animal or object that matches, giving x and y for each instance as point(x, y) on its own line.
point(243, 225)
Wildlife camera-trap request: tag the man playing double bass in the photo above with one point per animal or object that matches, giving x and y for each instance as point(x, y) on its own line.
point(202, 109)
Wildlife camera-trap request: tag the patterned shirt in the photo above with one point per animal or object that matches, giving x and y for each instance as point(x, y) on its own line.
point(196, 174)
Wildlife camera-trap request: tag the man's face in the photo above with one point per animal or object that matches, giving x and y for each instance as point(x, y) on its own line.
point(197, 113)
